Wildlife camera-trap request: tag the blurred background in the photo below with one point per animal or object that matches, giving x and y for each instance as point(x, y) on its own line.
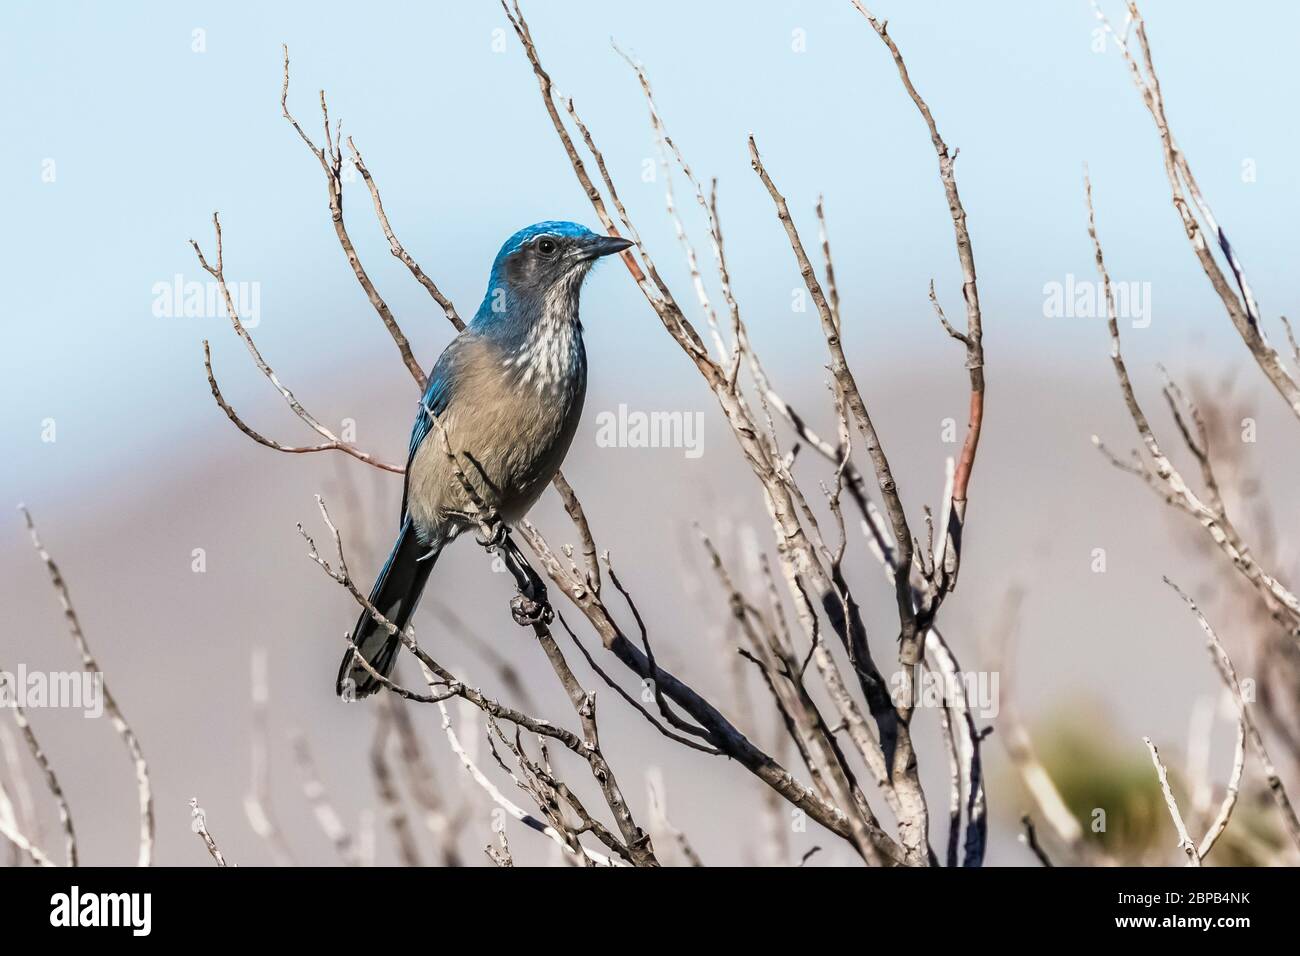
point(126, 126)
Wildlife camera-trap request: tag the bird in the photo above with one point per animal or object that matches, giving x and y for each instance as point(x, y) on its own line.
point(505, 398)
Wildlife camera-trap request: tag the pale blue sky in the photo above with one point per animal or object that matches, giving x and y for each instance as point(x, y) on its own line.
point(149, 137)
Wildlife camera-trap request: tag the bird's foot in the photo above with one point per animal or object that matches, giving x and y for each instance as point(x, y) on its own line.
point(530, 605)
point(528, 612)
point(495, 533)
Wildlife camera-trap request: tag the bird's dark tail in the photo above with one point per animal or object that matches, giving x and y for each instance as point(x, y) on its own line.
point(395, 595)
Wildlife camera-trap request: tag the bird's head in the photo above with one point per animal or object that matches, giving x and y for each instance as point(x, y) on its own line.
point(542, 267)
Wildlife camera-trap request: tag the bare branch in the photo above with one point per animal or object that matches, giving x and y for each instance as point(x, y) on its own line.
point(1184, 839)
point(1229, 803)
point(334, 444)
point(659, 812)
point(1242, 311)
point(51, 779)
point(1281, 601)
point(1223, 663)
point(1031, 840)
point(974, 336)
point(757, 452)
point(910, 649)
point(199, 824)
point(397, 248)
point(332, 441)
point(90, 665)
point(9, 830)
point(330, 157)
point(514, 810)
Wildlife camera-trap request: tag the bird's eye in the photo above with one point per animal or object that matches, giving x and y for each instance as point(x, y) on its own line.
point(546, 247)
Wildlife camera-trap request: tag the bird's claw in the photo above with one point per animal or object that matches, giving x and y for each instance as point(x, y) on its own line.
point(529, 606)
point(528, 612)
point(500, 533)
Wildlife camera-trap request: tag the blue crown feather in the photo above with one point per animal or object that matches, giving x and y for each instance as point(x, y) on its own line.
point(551, 227)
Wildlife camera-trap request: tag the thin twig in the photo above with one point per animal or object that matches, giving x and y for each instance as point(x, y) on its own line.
point(199, 824)
point(1223, 663)
point(330, 157)
point(527, 819)
point(1184, 839)
point(1030, 837)
point(51, 780)
point(91, 666)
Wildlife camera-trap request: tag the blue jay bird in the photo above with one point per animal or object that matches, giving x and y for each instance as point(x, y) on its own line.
point(507, 393)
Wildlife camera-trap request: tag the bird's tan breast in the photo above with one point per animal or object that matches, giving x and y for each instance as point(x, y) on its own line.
point(509, 436)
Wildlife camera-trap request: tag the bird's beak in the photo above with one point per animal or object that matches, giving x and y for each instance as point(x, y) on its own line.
point(605, 246)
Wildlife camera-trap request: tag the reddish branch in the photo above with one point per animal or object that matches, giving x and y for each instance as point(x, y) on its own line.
point(973, 337)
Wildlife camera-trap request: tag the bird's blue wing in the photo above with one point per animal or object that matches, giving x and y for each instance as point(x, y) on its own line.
point(434, 402)
point(437, 395)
